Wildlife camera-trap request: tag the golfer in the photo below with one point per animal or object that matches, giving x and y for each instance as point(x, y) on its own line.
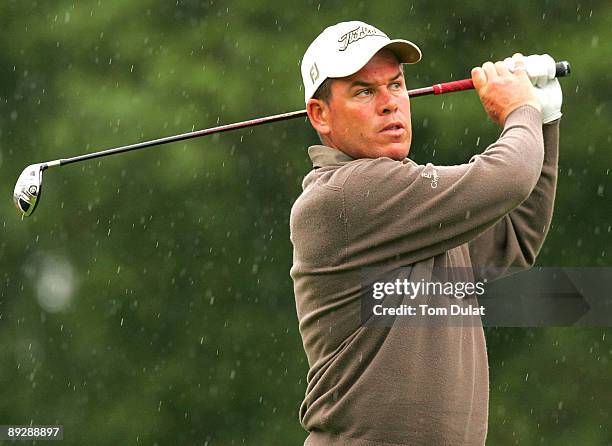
point(365, 204)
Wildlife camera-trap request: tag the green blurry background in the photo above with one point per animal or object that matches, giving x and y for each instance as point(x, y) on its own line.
point(148, 299)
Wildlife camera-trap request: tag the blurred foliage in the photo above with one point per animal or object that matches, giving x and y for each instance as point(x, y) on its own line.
point(148, 300)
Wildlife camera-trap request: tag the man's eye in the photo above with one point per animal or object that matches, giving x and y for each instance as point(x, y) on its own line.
point(364, 92)
point(396, 86)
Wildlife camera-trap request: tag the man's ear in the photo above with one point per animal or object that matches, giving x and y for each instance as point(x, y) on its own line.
point(318, 113)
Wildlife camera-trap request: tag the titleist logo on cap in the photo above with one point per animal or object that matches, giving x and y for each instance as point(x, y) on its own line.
point(357, 34)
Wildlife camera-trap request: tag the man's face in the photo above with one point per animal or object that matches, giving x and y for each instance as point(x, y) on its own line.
point(369, 111)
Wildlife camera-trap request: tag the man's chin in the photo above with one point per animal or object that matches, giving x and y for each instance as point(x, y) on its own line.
point(396, 152)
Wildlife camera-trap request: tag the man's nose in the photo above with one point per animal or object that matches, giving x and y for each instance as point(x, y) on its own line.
point(387, 102)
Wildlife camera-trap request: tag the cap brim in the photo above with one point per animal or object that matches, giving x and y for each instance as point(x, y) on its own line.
point(406, 51)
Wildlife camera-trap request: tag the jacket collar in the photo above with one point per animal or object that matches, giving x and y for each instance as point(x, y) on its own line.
point(323, 156)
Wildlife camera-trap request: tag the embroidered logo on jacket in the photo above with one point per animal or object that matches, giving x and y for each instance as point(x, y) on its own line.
point(433, 175)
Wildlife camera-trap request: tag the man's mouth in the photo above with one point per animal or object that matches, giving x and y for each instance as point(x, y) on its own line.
point(393, 128)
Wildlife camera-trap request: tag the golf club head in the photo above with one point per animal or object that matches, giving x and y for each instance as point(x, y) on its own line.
point(28, 188)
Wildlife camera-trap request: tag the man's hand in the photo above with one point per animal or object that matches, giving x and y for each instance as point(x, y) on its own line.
point(541, 71)
point(550, 96)
point(501, 91)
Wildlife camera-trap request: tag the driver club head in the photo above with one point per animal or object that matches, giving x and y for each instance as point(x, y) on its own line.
point(28, 188)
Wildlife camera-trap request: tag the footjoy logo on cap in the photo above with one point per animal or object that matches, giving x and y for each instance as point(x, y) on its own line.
point(357, 34)
point(314, 73)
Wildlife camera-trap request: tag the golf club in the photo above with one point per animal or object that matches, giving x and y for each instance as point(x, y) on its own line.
point(28, 188)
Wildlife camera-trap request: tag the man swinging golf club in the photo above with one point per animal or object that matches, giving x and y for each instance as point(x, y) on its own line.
point(365, 204)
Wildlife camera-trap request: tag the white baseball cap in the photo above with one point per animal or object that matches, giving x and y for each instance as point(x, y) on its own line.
point(345, 48)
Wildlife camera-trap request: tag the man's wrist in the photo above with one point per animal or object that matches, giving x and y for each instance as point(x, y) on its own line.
point(527, 111)
point(533, 104)
point(553, 122)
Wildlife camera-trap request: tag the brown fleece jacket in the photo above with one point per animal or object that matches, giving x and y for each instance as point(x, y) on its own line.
point(391, 386)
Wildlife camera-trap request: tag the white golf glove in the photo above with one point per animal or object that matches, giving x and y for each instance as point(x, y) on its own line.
point(550, 96)
point(541, 71)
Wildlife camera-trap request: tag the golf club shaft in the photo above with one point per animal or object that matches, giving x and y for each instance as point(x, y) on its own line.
point(562, 69)
point(448, 87)
point(174, 138)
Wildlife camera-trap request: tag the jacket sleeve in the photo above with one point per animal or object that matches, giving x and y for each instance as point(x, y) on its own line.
point(404, 212)
point(516, 240)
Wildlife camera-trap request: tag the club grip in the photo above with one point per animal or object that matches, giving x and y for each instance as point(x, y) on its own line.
point(448, 87)
point(562, 68)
